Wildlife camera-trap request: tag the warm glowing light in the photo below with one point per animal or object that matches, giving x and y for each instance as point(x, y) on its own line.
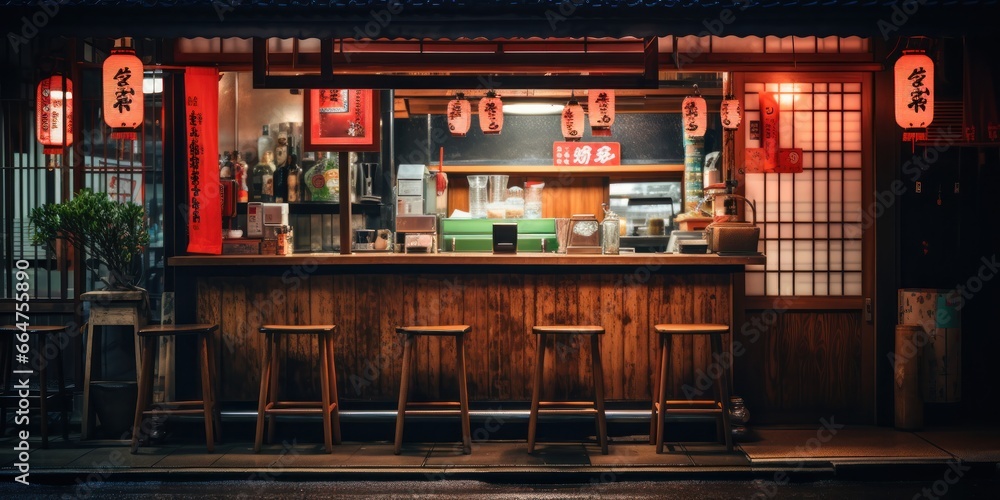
point(54, 114)
point(491, 114)
point(914, 94)
point(459, 115)
point(601, 108)
point(572, 121)
point(123, 90)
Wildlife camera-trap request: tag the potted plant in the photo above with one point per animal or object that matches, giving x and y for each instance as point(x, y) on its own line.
point(113, 234)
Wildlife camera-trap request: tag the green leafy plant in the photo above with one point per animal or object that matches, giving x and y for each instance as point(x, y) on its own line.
point(113, 234)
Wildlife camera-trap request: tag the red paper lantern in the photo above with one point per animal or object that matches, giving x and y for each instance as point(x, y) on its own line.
point(601, 108)
point(731, 114)
point(54, 114)
point(459, 115)
point(123, 103)
point(572, 121)
point(491, 114)
point(914, 94)
point(694, 116)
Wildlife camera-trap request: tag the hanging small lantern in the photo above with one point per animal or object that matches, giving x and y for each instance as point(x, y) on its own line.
point(572, 120)
point(54, 114)
point(123, 103)
point(459, 115)
point(731, 113)
point(491, 114)
point(694, 113)
point(914, 94)
point(601, 107)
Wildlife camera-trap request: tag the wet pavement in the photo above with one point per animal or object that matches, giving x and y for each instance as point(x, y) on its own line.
point(611, 489)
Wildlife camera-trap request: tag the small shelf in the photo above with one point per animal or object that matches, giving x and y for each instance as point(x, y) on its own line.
point(322, 207)
point(554, 171)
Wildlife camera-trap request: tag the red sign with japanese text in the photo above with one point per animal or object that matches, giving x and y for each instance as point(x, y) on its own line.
point(202, 119)
point(586, 154)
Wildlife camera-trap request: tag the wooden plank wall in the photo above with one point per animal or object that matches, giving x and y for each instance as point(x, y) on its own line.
point(501, 307)
point(803, 366)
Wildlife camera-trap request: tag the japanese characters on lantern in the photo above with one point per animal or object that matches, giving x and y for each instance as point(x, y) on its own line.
point(914, 95)
point(694, 115)
point(572, 121)
point(54, 114)
point(601, 107)
point(123, 100)
point(491, 114)
point(731, 114)
point(459, 115)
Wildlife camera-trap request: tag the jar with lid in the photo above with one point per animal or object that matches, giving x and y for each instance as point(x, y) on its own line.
point(610, 232)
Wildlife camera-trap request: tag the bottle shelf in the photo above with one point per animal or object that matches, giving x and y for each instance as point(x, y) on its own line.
point(322, 207)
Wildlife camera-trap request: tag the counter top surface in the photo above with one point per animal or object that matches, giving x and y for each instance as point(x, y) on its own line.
point(467, 259)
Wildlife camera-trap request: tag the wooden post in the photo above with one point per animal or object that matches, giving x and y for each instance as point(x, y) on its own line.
point(345, 203)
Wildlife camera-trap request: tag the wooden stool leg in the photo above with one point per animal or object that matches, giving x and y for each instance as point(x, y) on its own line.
point(64, 410)
point(536, 390)
point(324, 389)
point(145, 389)
point(463, 393)
point(404, 387)
point(656, 393)
point(331, 367)
point(272, 419)
point(661, 396)
point(88, 365)
point(723, 384)
point(206, 393)
point(602, 423)
point(43, 387)
point(265, 381)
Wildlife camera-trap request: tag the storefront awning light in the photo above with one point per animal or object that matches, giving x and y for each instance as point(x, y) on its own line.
point(601, 108)
point(491, 114)
point(123, 90)
point(54, 113)
point(694, 114)
point(572, 120)
point(459, 115)
point(914, 95)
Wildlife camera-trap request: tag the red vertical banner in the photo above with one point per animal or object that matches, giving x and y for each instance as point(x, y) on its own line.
point(201, 116)
point(769, 133)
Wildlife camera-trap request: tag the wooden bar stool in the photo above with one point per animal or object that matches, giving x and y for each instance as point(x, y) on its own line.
point(718, 407)
point(569, 407)
point(268, 405)
point(16, 371)
point(206, 406)
point(460, 408)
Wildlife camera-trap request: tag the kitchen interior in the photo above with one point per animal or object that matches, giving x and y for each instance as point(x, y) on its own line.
point(510, 175)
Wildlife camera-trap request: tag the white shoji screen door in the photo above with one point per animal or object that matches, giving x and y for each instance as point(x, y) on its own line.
point(811, 222)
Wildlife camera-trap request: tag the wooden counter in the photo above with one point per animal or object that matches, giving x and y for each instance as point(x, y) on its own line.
point(464, 259)
point(502, 297)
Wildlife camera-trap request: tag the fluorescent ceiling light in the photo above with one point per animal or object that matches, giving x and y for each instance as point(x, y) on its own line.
point(532, 108)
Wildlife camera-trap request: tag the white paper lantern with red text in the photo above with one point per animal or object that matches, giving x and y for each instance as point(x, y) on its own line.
point(731, 114)
point(122, 79)
point(491, 114)
point(572, 121)
point(54, 114)
point(459, 115)
point(601, 111)
point(694, 116)
point(914, 85)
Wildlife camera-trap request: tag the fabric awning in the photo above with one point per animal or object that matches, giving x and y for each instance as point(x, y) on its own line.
point(450, 19)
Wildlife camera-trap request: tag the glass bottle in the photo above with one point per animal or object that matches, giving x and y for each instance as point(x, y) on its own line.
point(226, 165)
point(294, 181)
point(262, 179)
point(281, 181)
point(264, 143)
point(322, 181)
point(610, 232)
point(241, 179)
